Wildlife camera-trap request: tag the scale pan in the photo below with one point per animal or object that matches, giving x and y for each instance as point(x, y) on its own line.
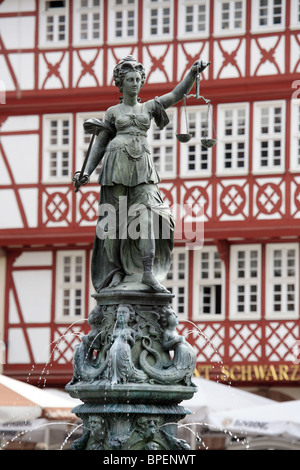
point(208, 143)
point(184, 137)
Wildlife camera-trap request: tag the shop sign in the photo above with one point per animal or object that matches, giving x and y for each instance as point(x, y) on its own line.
point(250, 372)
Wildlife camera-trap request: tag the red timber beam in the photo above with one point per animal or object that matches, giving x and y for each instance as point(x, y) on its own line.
point(272, 229)
point(75, 100)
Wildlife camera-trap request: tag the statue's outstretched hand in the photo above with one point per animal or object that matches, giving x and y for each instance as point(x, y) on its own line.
point(199, 66)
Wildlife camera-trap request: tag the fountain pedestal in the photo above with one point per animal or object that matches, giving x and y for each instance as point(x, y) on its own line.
point(130, 383)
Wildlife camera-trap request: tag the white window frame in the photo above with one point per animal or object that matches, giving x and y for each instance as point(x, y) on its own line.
point(125, 10)
point(211, 281)
point(234, 139)
point(269, 138)
point(90, 10)
point(71, 285)
point(247, 282)
point(163, 147)
point(60, 148)
point(202, 156)
point(295, 136)
point(55, 13)
point(183, 13)
point(177, 282)
point(83, 141)
point(295, 14)
point(284, 281)
point(269, 27)
point(232, 30)
point(159, 5)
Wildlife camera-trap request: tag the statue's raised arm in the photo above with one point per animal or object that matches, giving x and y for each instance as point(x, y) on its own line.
point(185, 86)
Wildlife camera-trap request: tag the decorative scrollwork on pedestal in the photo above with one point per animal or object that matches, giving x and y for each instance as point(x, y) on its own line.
point(121, 341)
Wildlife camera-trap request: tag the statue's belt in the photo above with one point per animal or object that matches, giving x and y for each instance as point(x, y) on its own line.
point(135, 149)
point(133, 132)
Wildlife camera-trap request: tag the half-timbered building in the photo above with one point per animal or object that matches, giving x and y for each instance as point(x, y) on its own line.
point(237, 293)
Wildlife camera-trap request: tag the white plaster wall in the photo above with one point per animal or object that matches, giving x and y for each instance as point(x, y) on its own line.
point(34, 293)
point(17, 33)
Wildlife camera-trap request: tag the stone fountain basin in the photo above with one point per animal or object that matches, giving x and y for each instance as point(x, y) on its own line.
point(102, 393)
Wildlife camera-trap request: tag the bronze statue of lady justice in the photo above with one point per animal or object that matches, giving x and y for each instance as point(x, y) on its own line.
point(129, 179)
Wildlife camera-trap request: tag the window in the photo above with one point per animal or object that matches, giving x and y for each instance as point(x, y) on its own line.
point(295, 136)
point(195, 157)
point(163, 149)
point(269, 119)
point(295, 13)
point(70, 285)
point(177, 282)
point(193, 18)
point(282, 262)
point(209, 280)
point(158, 17)
point(88, 21)
point(53, 24)
point(230, 16)
point(268, 14)
point(245, 282)
point(232, 139)
point(123, 20)
point(57, 148)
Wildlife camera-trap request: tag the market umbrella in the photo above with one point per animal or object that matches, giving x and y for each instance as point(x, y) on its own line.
point(213, 397)
point(24, 402)
point(277, 419)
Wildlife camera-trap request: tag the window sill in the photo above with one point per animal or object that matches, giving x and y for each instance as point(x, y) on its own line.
point(268, 29)
point(229, 34)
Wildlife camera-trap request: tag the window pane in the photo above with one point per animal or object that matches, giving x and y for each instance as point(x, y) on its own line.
point(210, 283)
point(245, 280)
point(71, 276)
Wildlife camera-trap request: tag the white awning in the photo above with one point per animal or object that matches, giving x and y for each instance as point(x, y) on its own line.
point(214, 397)
point(20, 401)
point(278, 419)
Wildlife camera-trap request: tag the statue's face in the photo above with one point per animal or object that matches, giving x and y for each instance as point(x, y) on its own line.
point(132, 83)
point(96, 427)
point(122, 315)
point(94, 423)
point(172, 319)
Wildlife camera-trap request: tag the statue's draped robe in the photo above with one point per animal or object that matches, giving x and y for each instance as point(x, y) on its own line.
point(129, 194)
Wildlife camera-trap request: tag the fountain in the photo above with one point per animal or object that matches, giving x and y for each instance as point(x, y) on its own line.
point(132, 370)
point(128, 383)
point(65, 431)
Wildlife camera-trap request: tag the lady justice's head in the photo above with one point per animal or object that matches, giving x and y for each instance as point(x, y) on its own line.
point(126, 65)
